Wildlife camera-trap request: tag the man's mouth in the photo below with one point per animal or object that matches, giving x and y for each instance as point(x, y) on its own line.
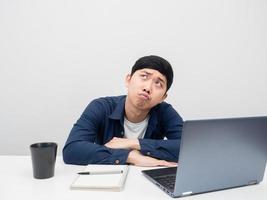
point(144, 96)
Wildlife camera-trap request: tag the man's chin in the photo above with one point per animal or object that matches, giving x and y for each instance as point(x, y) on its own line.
point(142, 105)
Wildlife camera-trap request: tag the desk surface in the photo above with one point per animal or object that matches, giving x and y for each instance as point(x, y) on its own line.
point(17, 182)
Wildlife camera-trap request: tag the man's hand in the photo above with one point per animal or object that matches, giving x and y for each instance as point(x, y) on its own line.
point(136, 158)
point(123, 143)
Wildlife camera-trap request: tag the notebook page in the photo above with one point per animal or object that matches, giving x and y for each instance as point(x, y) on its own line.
point(101, 181)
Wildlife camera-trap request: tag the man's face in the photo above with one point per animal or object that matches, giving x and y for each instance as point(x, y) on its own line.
point(146, 88)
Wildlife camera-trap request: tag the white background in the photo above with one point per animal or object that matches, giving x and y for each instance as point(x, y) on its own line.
point(58, 55)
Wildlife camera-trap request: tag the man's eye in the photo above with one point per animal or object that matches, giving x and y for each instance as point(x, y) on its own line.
point(158, 84)
point(144, 76)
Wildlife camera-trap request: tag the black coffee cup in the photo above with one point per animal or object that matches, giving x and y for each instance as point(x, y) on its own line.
point(43, 159)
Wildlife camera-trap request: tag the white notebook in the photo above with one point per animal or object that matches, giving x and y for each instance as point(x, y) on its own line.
point(102, 177)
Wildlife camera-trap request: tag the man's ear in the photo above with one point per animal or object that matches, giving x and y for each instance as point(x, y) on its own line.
point(127, 80)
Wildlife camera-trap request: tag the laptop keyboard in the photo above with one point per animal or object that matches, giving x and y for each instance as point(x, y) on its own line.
point(164, 176)
point(167, 181)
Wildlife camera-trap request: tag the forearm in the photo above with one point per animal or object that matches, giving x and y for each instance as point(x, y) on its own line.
point(136, 158)
point(123, 143)
point(83, 153)
point(160, 149)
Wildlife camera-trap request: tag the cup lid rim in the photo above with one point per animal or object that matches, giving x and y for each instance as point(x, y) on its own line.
point(43, 144)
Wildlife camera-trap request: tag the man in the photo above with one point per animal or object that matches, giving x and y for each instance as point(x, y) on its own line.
point(138, 129)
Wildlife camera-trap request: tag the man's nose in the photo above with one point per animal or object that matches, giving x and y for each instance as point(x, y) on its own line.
point(147, 87)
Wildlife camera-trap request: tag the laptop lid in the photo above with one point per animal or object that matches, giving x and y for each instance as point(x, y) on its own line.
point(221, 153)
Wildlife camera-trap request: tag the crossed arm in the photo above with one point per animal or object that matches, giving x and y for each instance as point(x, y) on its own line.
point(85, 142)
point(135, 157)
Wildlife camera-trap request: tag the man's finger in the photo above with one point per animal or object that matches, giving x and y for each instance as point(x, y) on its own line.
point(173, 163)
point(167, 164)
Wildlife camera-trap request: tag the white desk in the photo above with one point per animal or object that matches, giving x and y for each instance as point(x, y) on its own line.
point(17, 182)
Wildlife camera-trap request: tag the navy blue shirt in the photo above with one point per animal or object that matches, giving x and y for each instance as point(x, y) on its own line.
point(103, 119)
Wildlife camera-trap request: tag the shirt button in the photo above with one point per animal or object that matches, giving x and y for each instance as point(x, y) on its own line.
point(148, 153)
point(117, 161)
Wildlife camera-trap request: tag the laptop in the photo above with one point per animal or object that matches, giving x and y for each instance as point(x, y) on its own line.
point(214, 155)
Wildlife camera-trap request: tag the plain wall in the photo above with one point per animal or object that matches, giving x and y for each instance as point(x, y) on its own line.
point(58, 55)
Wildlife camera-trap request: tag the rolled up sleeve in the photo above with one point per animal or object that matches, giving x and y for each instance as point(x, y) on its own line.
point(81, 148)
point(168, 148)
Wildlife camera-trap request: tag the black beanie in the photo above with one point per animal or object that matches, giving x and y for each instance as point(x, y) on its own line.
point(156, 63)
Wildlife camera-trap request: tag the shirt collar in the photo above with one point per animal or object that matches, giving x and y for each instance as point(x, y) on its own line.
point(118, 112)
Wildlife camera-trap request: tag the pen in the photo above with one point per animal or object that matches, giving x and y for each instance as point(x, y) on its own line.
point(101, 172)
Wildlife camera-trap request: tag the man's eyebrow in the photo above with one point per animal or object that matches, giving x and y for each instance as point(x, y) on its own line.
point(161, 80)
point(148, 73)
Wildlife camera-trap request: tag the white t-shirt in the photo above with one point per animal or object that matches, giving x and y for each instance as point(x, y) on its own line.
point(135, 130)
